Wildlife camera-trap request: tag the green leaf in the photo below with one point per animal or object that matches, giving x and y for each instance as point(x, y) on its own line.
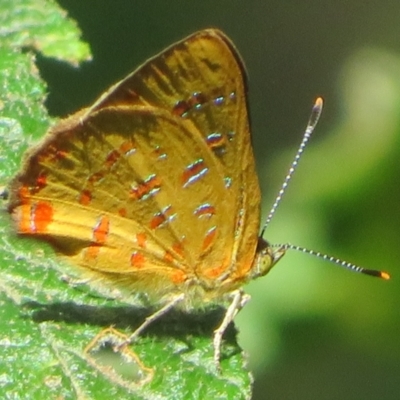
point(48, 324)
point(41, 25)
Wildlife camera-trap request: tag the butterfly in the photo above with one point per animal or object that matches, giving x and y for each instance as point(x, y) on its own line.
point(153, 188)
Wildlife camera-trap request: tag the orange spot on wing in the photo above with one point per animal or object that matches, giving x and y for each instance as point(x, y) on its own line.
point(137, 259)
point(127, 147)
point(100, 234)
point(24, 194)
point(101, 230)
point(157, 220)
point(145, 187)
point(41, 182)
point(197, 99)
point(178, 277)
point(61, 154)
point(215, 141)
point(209, 239)
point(22, 216)
point(96, 177)
point(215, 272)
point(194, 170)
point(168, 257)
point(34, 218)
point(141, 239)
point(181, 108)
point(205, 210)
point(42, 216)
point(178, 248)
point(53, 154)
point(122, 212)
point(92, 252)
point(85, 197)
point(112, 158)
point(161, 217)
point(159, 153)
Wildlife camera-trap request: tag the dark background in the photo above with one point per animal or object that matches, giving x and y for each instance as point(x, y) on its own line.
point(312, 331)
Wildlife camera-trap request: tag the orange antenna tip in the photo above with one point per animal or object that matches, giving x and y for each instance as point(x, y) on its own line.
point(373, 272)
point(319, 102)
point(385, 275)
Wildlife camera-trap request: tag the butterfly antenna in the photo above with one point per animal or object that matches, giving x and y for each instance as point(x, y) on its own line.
point(312, 123)
point(337, 261)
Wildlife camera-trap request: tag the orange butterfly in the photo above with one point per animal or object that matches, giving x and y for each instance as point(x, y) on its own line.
point(154, 187)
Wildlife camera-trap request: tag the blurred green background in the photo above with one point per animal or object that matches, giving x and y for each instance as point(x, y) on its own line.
point(312, 330)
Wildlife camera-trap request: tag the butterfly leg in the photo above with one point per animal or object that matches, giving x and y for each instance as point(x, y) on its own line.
point(239, 299)
point(151, 318)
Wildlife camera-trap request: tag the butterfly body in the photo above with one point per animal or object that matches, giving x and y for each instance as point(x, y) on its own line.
point(153, 188)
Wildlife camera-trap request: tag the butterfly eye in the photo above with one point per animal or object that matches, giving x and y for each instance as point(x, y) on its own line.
point(266, 257)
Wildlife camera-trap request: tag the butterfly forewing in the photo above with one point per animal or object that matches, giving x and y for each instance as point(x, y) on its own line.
point(202, 78)
point(156, 181)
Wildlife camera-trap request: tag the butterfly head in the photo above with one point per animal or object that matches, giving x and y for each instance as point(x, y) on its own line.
point(266, 257)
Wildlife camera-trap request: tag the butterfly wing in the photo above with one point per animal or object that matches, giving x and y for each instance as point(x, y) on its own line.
point(153, 185)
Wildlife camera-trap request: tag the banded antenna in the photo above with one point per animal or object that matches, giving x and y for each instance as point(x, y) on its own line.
point(312, 123)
